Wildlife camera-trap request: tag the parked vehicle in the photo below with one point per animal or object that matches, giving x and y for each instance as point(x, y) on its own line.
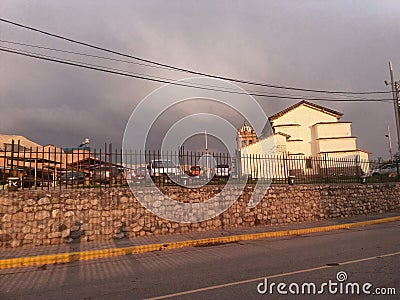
point(222, 170)
point(138, 175)
point(108, 174)
point(195, 171)
point(141, 172)
point(385, 170)
point(72, 177)
point(162, 168)
point(43, 179)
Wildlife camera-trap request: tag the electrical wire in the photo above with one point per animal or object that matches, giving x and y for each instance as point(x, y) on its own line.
point(82, 54)
point(184, 69)
point(148, 65)
point(166, 81)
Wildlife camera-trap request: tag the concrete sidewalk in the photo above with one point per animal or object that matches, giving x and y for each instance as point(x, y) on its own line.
point(9, 253)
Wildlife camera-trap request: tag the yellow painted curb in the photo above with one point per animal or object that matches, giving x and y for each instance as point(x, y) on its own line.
point(112, 252)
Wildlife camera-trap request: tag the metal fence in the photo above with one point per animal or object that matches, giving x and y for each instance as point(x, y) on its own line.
point(50, 167)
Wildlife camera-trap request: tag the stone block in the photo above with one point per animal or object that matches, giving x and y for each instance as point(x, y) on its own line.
point(43, 201)
point(52, 235)
point(41, 215)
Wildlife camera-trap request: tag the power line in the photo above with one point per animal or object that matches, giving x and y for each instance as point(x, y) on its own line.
point(172, 81)
point(166, 81)
point(40, 55)
point(83, 54)
point(147, 65)
point(187, 70)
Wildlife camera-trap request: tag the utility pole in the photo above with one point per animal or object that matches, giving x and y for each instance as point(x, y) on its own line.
point(390, 143)
point(395, 94)
point(207, 171)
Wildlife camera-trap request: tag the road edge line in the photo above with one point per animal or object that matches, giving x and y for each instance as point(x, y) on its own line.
point(61, 258)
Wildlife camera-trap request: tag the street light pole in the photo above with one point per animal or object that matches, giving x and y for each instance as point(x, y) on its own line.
point(395, 94)
point(390, 143)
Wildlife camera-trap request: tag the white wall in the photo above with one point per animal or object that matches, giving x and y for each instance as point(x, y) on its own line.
point(333, 130)
point(293, 131)
point(337, 144)
point(296, 147)
point(306, 117)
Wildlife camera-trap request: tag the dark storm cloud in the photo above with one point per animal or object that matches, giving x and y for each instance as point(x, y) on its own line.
point(333, 45)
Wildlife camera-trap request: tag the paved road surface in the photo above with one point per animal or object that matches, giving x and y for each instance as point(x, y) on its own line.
point(233, 271)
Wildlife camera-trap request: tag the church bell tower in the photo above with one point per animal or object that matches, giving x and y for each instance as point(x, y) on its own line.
point(245, 136)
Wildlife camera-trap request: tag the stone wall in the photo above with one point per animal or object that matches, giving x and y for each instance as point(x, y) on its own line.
point(56, 216)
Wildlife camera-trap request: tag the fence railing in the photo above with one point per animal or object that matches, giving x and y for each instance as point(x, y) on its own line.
point(50, 167)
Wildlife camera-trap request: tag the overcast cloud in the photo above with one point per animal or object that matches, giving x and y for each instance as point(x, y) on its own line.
point(330, 45)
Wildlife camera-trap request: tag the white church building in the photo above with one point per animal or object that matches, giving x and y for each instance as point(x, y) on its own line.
point(308, 133)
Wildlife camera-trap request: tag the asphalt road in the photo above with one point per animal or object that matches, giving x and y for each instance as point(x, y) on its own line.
point(233, 271)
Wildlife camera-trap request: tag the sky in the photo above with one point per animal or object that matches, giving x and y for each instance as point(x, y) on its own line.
point(325, 45)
